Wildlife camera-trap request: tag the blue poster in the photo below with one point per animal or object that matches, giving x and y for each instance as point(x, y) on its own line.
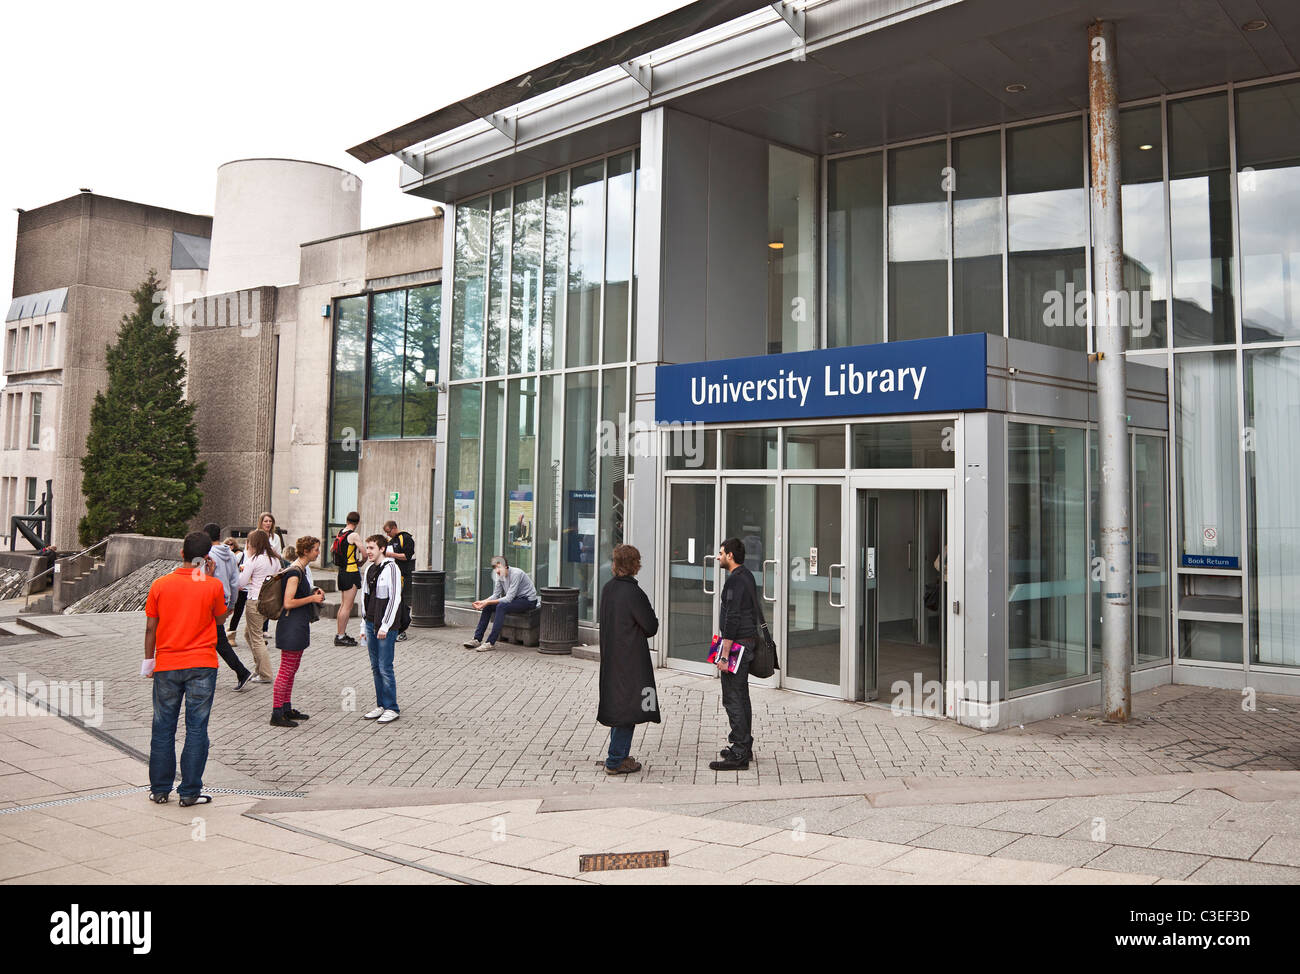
point(580, 527)
point(927, 375)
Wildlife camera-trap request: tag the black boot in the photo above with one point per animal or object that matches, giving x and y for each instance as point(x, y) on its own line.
point(294, 714)
point(280, 719)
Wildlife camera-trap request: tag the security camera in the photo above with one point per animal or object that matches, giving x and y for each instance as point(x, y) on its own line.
point(431, 380)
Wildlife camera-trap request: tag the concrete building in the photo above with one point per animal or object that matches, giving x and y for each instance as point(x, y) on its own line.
point(76, 262)
point(820, 276)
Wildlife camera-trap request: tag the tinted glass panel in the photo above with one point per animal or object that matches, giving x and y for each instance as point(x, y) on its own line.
point(918, 242)
point(855, 258)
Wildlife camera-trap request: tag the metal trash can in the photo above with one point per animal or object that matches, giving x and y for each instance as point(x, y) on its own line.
point(428, 598)
point(559, 633)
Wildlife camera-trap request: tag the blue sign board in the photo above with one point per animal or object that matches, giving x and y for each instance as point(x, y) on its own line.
point(928, 375)
point(1211, 561)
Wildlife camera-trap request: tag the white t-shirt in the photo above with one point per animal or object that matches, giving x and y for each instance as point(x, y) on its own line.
point(256, 571)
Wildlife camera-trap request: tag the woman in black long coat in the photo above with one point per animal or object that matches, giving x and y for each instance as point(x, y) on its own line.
point(627, 679)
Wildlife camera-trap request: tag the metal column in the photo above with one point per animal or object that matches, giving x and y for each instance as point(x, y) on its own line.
point(1111, 313)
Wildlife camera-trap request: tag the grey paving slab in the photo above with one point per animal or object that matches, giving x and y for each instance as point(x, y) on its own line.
point(962, 838)
point(1042, 848)
point(1234, 871)
point(1220, 843)
point(1155, 862)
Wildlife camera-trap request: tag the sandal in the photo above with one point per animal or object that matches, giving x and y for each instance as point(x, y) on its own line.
point(196, 800)
point(158, 798)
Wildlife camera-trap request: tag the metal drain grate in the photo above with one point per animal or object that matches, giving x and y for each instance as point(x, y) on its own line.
point(253, 792)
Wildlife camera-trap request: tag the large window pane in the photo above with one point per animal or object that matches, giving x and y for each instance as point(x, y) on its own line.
point(550, 436)
point(1200, 213)
point(903, 445)
point(749, 449)
point(579, 541)
point(387, 361)
point(918, 242)
point(498, 285)
point(814, 447)
point(1047, 554)
point(526, 277)
point(792, 251)
point(1142, 195)
point(349, 369)
point(554, 263)
point(618, 256)
point(1273, 516)
point(1268, 194)
point(586, 262)
point(613, 469)
point(490, 517)
point(469, 289)
point(423, 317)
point(521, 402)
point(855, 258)
point(1150, 549)
point(1206, 448)
point(1047, 228)
point(461, 546)
point(978, 228)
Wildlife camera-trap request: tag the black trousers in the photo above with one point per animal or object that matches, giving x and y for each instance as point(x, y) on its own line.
point(239, 611)
point(404, 612)
point(735, 701)
point(227, 653)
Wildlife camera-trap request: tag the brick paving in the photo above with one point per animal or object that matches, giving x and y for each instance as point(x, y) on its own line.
point(514, 718)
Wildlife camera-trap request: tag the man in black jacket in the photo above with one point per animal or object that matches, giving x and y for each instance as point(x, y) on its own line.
point(402, 551)
point(738, 623)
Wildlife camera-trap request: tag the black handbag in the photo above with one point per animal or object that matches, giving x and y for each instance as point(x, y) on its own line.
point(765, 659)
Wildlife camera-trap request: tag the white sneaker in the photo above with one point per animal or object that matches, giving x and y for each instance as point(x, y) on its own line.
point(486, 647)
point(389, 716)
point(377, 712)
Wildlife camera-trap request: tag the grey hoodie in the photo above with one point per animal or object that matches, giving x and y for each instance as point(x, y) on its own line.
point(227, 564)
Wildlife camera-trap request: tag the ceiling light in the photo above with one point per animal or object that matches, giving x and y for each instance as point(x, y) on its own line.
point(1016, 88)
point(1146, 146)
point(1253, 25)
point(777, 245)
point(837, 134)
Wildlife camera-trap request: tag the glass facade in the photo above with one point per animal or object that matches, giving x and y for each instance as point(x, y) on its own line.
point(542, 331)
point(385, 346)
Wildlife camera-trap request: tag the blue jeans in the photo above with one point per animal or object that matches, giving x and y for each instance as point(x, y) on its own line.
point(497, 613)
point(196, 687)
point(381, 665)
point(620, 745)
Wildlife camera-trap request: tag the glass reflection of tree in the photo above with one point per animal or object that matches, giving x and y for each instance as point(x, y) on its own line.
point(423, 315)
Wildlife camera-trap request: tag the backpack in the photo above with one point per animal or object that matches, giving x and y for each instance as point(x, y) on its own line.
point(339, 549)
point(270, 598)
point(765, 659)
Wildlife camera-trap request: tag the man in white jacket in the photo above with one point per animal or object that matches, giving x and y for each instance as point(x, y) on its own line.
point(381, 600)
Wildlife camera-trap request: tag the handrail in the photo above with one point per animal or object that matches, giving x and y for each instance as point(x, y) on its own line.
point(27, 593)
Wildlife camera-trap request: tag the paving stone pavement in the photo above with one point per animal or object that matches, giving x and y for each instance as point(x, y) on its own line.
point(515, 718)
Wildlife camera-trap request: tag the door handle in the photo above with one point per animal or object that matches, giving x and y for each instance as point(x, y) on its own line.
point(909, 556)
point(766, 576)
point(704, 577)
point(830, 585)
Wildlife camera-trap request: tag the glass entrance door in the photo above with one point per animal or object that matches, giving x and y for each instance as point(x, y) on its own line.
point(749, 512)
point(900, 596)
point(692, 572)
point(814, 574)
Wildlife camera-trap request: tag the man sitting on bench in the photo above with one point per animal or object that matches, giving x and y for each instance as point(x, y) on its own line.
point(512, 591)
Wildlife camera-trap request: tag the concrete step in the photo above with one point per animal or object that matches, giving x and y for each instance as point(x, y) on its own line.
point(329, 609)
point(42, 606)
point(36, 624)
point(11, 627)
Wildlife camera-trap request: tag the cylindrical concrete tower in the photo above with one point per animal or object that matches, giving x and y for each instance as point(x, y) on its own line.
point(266, 208)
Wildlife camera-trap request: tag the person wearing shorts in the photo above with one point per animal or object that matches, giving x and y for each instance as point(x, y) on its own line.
point(349, 578)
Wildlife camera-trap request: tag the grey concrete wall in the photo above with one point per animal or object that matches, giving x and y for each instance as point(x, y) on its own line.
point(231, 340)
point(405, 466)
point(127, 552)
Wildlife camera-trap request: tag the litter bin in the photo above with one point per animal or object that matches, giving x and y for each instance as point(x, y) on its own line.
point(559, 632)
point(428, 598)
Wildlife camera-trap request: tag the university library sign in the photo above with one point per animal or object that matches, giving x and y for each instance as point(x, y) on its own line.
point(928, 375)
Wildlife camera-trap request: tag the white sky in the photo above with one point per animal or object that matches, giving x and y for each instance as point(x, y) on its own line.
point(143, 100)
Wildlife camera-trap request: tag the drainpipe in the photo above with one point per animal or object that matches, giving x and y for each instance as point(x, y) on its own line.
point(1110, 315)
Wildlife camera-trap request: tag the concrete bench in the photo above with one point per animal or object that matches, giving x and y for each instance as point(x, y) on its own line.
point(522, 628)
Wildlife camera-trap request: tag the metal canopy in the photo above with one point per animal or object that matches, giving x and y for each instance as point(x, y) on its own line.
point(654, 34)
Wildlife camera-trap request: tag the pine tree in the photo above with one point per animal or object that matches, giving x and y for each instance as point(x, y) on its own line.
point(141, 472)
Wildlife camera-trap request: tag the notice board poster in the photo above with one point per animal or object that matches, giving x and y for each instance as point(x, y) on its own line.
point(580, 527)
point(521, 519)
point(463, 517)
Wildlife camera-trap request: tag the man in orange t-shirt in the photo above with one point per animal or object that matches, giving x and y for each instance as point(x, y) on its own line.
point(180, 654)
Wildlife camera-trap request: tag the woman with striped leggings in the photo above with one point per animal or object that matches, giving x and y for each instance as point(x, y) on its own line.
point(293, 631)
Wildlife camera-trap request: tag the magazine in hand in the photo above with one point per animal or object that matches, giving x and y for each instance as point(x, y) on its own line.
point(733, 658)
